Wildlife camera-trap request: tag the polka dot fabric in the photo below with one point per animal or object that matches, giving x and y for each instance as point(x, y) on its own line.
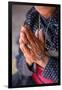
point(32, 20)
point(51, 69)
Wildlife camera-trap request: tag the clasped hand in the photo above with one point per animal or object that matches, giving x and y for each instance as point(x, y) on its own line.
point(33, 46)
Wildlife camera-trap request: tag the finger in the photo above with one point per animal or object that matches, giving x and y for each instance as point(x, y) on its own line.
point(24, 48)
point(23, 37)
point(29, 35)
point(41, 36)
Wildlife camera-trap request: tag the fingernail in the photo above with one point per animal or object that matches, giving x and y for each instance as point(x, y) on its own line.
point(37, 33)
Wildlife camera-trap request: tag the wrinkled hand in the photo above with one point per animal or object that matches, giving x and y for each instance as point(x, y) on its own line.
point(32, 46)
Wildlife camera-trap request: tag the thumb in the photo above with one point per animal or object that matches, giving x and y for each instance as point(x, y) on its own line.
point(41, 36)
point(37, 33)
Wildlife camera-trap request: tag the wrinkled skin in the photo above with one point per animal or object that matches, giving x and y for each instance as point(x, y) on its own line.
point(33, 46)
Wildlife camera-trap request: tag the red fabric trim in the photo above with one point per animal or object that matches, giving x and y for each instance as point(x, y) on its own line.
point(38, 68)
point(36, 79)
point(45, 80)
point(39, 79)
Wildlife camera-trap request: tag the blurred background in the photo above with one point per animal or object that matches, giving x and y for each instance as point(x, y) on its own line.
point(18, 18)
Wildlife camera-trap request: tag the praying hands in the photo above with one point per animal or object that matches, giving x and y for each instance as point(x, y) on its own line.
point(33, 46)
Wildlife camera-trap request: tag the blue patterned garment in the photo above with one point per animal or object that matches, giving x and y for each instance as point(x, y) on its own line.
point(51, 69)
point(32, 19)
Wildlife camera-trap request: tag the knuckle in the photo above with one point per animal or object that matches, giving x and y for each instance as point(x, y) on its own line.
point(20, 40)
point(23, 28)
point(22, 36)
point(21, 45)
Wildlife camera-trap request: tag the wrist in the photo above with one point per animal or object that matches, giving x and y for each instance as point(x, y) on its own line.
point(42, 62)
point(45, 61)
point(29, 63)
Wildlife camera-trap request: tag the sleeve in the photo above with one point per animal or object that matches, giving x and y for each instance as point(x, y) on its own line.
point(32, 67)
point(51, 70)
